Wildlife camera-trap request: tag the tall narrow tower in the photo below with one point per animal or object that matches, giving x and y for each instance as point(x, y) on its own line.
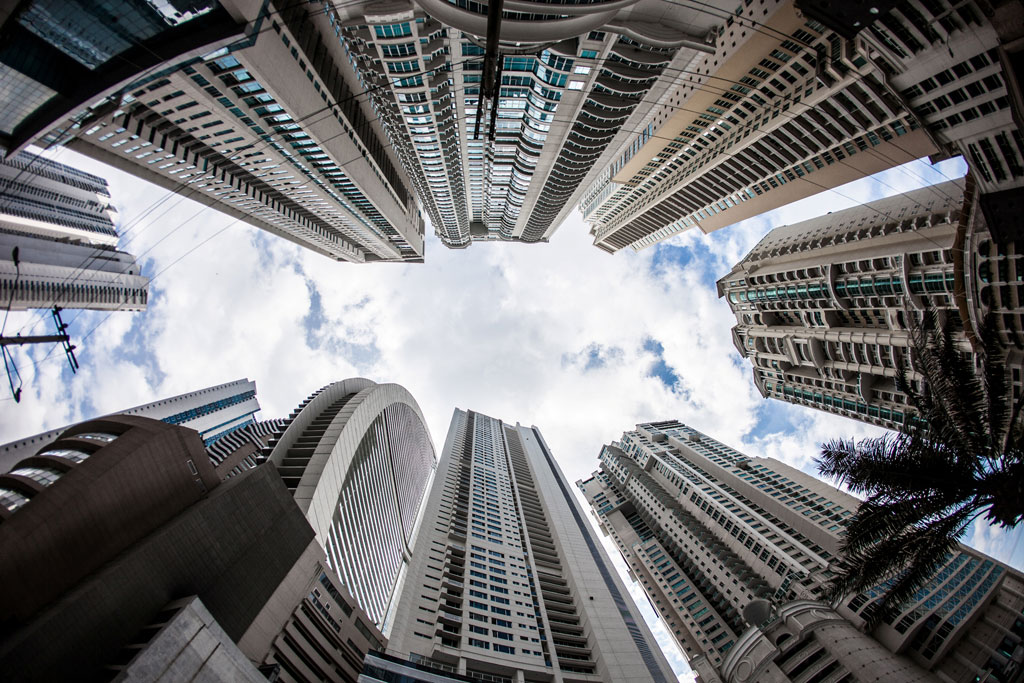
point(507, 578)
point(733, 550)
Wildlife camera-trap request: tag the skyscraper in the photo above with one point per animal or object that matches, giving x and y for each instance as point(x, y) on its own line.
point(955, 64)
point(355, 455)
point(271, 130)
point(60, 222)
point(825, 308)
point(732, 551)
point(358, 459)
point(569, 79)
point(786, 108)
point(507, 578)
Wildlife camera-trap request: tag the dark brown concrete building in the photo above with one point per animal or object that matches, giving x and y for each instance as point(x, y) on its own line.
point(121, 543)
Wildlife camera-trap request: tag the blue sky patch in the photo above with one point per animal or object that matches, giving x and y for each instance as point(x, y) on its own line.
point(660, 368)
point(773, 417)
point(670, 255)
point(697, 254)
point(314, 319)
point(363, 356)
point(592, 357)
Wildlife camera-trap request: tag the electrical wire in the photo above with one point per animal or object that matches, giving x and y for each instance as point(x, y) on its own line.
point(448, 67)
point(326, 111)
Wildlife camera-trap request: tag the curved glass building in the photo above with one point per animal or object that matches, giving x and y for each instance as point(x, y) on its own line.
point(358, 458)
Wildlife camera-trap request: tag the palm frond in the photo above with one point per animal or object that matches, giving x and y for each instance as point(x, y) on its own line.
point(876, 522)
point(955, 404)
point(1001, 417)
point(906, 561)
point(894, 466)
point(923, 552)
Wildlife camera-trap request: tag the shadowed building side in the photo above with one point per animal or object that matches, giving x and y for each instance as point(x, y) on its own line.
point(126, 555)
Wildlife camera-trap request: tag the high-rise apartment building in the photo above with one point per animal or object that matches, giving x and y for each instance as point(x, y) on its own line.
point(786, 108)
point(271, 129)
point(826, 308)
point(507, 580)
point(214, 412)
point(358, 459)
point(571, 80)
point(732, 551)
point(58, 244)
point(956, 64)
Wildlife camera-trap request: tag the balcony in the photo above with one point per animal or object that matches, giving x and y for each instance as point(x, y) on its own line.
point(448, 617)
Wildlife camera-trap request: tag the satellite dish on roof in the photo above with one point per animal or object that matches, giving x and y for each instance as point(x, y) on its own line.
point(757, 612)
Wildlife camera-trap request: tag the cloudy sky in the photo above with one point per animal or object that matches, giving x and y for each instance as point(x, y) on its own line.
point(580, 343)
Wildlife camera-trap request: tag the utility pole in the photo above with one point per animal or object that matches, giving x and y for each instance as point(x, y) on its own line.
point(61, 338)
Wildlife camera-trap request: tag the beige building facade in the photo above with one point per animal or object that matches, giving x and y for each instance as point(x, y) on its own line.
point(508, 582)
point(732, 551)
point(826, 309)
point(786, 108)
point(359, 461)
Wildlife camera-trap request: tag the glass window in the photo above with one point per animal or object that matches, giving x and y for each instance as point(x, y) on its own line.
point(68, 454)
point(97, 436)
point(43, 475)
point(12, 500)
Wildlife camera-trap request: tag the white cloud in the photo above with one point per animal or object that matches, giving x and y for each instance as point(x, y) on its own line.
point(503, 329)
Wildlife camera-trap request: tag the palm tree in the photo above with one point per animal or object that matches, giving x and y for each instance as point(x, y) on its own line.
point(959, 459)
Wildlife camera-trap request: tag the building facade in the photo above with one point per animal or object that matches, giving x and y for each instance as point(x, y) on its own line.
point(60, 57)
point(129, 556)
point(786, 108)
point(569, 80)
point(271, 130)
point(60, 221)
point(507, 581)
point(214, 412)
point(955, 65)
point(358, 459)
point(826, 309)
point(733, 550)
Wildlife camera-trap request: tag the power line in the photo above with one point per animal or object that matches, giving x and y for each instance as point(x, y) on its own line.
point(327, 111)
point(445, 67)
